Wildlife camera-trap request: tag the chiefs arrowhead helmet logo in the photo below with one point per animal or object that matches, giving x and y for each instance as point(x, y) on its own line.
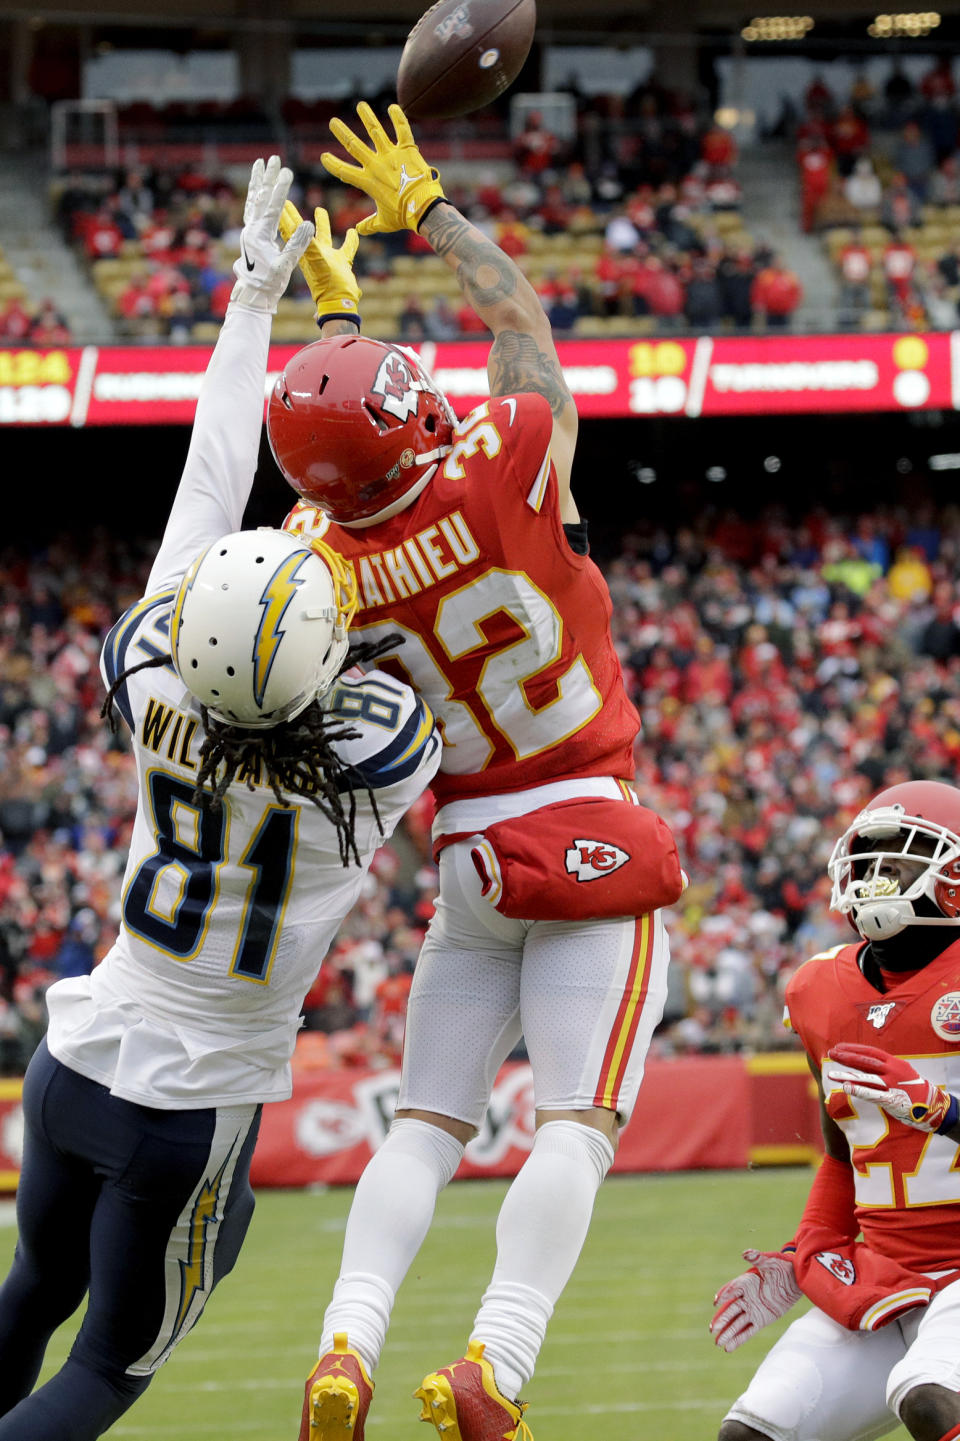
point(395, 387)
point(589, 860)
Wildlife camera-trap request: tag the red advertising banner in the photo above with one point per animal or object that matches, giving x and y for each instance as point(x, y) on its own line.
point(11, 1133)
point(709, 375)
point(694, 1113)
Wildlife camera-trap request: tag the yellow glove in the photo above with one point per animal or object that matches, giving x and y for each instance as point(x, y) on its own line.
point(328, 270)
point(394, 173)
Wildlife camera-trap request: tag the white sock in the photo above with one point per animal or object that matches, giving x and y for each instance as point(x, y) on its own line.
point(390, 1216)
point(541, 1229)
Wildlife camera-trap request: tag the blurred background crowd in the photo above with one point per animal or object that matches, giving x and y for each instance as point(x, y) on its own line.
point(637, 213)
point(784, 671)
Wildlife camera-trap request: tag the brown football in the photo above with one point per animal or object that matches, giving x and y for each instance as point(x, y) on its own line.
point(462, 54)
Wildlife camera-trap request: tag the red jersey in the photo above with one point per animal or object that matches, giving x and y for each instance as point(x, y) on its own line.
point(506, 629)
point(907, 1181)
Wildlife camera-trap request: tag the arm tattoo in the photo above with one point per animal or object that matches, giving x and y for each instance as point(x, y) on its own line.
point(485, 274)
point(337, 327)
point(517, 364)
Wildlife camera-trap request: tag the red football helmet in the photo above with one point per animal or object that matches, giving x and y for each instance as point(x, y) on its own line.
point(357, 427)
point(917, 822)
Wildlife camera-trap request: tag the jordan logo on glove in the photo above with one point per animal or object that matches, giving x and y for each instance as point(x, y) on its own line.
point(406, 179)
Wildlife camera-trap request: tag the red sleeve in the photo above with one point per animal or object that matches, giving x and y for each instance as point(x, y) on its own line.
point(830, 1204)
point(525, 423)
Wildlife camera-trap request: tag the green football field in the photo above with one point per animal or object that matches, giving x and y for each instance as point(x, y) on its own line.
point(627, 1356)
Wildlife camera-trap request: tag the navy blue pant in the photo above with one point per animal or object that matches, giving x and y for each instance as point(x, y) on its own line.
point(146, 1210)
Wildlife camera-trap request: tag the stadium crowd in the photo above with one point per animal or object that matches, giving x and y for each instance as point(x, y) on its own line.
point(879, 175)
point(647, 177)
point(784, 671)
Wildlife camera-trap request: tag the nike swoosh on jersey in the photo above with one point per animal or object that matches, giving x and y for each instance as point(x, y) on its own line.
point(249, 263)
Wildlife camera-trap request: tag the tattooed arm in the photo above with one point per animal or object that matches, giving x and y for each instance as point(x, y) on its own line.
point(523, 356)
point(336, 326)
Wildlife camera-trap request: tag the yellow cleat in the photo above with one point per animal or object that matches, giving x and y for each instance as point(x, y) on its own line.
point(337, 1396)
point(464, 1403)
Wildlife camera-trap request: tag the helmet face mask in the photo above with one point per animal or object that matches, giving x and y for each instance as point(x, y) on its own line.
point(898, 864)
point(259, 626)
point(357, 427)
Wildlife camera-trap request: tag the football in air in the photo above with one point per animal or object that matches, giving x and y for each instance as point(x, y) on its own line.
point(462, 54)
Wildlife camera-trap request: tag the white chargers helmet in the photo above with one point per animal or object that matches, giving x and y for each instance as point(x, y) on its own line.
point(259, 625)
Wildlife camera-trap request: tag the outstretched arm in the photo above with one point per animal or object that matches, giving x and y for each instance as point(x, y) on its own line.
point(523, 356)
point(225, 440)
point(408, 195)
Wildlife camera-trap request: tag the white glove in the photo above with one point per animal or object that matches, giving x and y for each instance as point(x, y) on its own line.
point(264, 266)
point(751, 1301)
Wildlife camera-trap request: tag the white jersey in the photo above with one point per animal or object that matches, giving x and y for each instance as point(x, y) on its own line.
point(226, 914)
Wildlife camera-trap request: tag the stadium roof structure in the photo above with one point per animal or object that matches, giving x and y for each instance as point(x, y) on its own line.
point(645, 18)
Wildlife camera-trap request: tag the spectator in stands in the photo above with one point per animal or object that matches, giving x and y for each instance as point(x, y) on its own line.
point(76, 956)
point(939, 305)
point(16, 321)
point(135, 201)
point(658, 291)
point(909, 578)
point(104, 237)
point(937, 85)
point(945, 182)
point(703, 304)
point(469, 321)
point(441, 320)
point(412, 320)
point(718, 148)
point(512, 236)
point(862, 187)
point(535, 148)
point(863, 95)
point(736, 273)
point(815, 159)
point(49, 327)
point(673, 219)
point(948, 265)
point(849, 139)
point(856, 264)
point(621, 234)
point(723, 191)
point(898, 89)
point(940, 636)
point(135, 301)
point(915, 160)
point(818, 98)
point(901, 207)
point(777, 293)
point(899, 263)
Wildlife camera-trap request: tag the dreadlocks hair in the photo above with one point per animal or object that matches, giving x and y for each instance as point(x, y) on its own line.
point(107, 712)
point(295, 756)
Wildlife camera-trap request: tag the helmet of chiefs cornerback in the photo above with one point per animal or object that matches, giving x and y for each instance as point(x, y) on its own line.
point(919, 822)
point(357, 427)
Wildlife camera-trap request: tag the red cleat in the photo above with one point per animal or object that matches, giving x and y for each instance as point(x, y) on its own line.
point(465, 1404)
point(337, 1396)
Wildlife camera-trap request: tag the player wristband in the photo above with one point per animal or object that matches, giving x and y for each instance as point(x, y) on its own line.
point(339, 315)
point(437, 200)
point(950, 1119)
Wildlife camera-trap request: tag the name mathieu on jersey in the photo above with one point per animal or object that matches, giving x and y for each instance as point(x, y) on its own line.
point(506, 629)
